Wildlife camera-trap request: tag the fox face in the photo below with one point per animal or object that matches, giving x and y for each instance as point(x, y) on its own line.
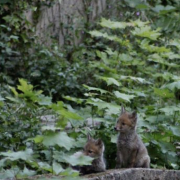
point(126, 121)
point(93, 148)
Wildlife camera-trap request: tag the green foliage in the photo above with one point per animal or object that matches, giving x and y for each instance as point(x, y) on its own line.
point(134, 62)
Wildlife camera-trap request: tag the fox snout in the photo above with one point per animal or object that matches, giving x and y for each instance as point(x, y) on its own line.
point(116, 128)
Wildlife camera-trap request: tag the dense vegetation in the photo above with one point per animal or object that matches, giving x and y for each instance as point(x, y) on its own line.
point(131, 60)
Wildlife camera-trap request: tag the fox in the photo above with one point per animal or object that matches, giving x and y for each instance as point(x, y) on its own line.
point(93, 148)
point(131, 152)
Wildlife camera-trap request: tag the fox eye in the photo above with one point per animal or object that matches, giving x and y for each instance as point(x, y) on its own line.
point(90, 151)
point(123, 123)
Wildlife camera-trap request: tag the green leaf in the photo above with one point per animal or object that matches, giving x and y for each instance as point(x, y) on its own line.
point(23, 155)
point(44, 166)
point(37, 139)
point(74, 99)
point(142, 6)
point(138, 79)
point(70, 115)
point(57, 168)
point(110, 80)
point(8, 174)
point(61, 139)
point(75, 159)
point(109, 37)
point(102, 91)
point(123, 96)
point(14, 91)
point(164, 9)
point(146, 32)
point(172, 86)
point(170, 110)
point(114, 138)
point(164, 93)
point(175, 130)
point(24, 86)
point(44, 100)
point(26, 173)
point(113, 24)
point(65, 113)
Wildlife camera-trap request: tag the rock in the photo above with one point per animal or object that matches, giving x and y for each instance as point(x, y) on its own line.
point(136, 174)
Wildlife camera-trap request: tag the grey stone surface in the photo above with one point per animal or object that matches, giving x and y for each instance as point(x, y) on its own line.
point(136, 174)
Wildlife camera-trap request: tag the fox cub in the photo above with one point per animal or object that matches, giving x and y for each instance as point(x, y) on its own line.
point(95, 149)
point(131, 152)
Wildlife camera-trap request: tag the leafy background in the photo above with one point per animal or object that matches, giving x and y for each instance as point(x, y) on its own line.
point(131, 57)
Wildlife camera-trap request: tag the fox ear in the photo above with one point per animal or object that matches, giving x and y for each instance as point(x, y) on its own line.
point(133, 116)
point(99, 142)
point(122, 110)
point(88, 137)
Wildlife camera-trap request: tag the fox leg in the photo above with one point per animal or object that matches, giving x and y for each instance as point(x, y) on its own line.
point(133, 158)
point(118, 160)
point(146, 162)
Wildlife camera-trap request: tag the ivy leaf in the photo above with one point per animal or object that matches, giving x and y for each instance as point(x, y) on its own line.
point(61, 139)
point(123, 96)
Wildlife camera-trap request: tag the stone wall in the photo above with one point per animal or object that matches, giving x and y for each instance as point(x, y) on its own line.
point(66, 19)
point(136, 174)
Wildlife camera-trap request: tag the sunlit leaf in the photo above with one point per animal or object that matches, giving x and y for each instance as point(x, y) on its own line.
point(110, 80)
point(123, 96)
point(146, 32)
point(164, 93)
point(175, 130)
point(23, 155)
point(61, 139)
point(170, 110)
point(102, 91)
point(75, 159)
point(57, 168)
point(44, 100)
point(26, 173)
point(172, 86)
point(112, 24)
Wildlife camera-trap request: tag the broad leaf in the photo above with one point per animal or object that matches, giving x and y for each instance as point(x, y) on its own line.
point(61, 139)
point(102, 91)
point(123, 96)
point(23, 155)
